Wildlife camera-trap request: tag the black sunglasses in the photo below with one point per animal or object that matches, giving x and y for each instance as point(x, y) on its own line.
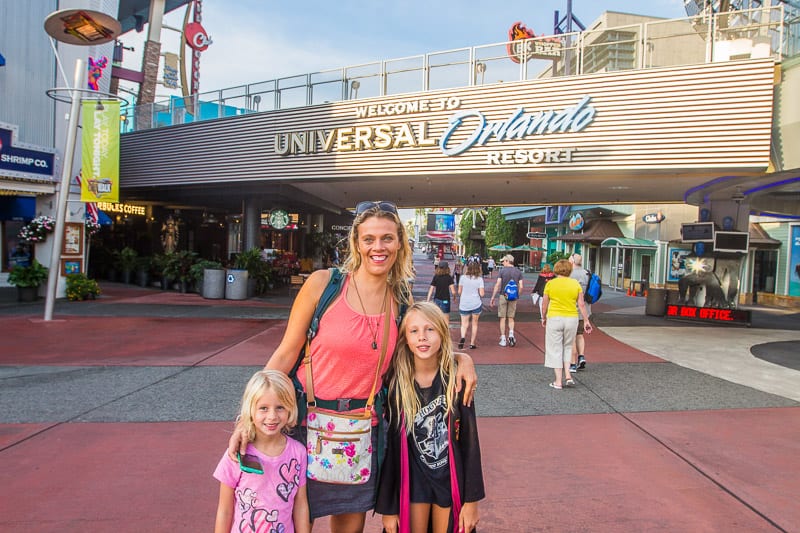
point(389, 207)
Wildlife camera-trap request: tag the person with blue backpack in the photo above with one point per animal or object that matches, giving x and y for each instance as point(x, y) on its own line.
point(509, 286)
point(582, 276)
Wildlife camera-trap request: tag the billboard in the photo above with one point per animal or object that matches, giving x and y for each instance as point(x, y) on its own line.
point(441, 222)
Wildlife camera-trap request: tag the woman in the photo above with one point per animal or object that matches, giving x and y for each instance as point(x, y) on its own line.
point(347, 347)
point(538, 290)
point(560, 318)
point(470, 293)
point(442, 288)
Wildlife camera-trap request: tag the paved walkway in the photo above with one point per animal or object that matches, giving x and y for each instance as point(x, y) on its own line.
point(113, 416)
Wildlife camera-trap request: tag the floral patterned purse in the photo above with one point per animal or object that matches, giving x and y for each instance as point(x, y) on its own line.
point(340, 445)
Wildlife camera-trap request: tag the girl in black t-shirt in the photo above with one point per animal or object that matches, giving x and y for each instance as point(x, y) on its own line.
point(442, 288)
point(432, 471)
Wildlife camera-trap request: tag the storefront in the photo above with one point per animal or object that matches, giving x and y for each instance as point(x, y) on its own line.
point(26, 172)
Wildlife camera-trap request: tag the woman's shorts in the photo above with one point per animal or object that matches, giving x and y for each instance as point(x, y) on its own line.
point(444, 305)
point(327, 499)
point(476, 311)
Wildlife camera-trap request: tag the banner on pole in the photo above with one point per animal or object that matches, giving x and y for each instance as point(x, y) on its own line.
point(100, 154)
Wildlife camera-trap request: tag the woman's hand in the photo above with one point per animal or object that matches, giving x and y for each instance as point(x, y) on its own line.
point(466, 374)
point(237, 442)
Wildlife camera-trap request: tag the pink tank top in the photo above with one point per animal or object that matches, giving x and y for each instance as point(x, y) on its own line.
point(344, 361)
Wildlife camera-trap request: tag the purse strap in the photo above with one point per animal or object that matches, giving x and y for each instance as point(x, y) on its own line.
point(384, 347)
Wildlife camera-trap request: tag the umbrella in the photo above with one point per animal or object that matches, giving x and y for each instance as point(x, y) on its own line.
point(500, 248)
point(527, 248)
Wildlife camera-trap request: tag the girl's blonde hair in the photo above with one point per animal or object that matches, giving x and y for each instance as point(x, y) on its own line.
point(402, 270)
point(401, 381)
point(262, 381)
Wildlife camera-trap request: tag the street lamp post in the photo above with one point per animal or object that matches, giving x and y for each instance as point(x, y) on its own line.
point(80, 27)
point(63, 193)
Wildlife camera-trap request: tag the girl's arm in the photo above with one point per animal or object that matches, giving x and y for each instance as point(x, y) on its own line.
point(391, 523)
point(300, 514)
point(470, 457)
point(285, 355)
point(452, 290)
point(468, 519)
point(224, 520)
point(430, 293)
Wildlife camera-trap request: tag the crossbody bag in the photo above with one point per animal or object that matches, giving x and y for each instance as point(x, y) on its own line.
point(340, 445)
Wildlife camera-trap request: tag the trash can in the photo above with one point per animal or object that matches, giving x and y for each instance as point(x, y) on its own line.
point(656, 303)
point(213, 283)
point(235, 284)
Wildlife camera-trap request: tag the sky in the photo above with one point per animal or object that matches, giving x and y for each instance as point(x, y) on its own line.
point(260, 40)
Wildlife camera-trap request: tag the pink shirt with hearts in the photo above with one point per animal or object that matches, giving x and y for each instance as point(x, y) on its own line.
point(264, 502)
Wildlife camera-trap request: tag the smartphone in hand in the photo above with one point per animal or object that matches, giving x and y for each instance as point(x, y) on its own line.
point(250, 463)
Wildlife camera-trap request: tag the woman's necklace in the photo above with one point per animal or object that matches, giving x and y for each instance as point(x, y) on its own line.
point(373, 331)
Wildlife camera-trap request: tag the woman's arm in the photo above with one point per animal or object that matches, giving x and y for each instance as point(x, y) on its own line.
point(285, 355)
point(545, 305)
point(430, 293)
point(452, 290)
point(465, 372)
point(224, 519)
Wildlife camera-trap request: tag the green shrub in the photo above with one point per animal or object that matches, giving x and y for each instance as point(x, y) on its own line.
point(28, 276)
point(79, 287)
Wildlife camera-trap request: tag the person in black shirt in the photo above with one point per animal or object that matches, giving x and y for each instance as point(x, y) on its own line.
point(442, 287)
point(431, 475)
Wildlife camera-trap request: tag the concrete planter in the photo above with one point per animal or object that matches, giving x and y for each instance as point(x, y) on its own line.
point(235, 284)
point(213, 283)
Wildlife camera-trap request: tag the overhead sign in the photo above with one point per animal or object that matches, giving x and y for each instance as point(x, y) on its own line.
point(522, 47)
point(23, 160)
point(536, 235)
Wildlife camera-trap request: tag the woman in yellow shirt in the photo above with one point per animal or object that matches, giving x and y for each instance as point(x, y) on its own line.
point(560, 320)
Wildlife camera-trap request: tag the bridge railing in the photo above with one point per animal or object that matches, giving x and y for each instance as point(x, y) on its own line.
point(761, 32)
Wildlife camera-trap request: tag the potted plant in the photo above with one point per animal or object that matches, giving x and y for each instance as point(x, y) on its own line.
point(27, 280)
point(158, 267)
point(143, 265)
point(79, 287)
point(37, 229)
point(126, 262)
point(179, 267)
point(259, 272)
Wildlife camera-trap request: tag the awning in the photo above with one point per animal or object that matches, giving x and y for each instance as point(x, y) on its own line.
point(595, 232)
point(759, 238)
point(17, 207)
point(625, 242)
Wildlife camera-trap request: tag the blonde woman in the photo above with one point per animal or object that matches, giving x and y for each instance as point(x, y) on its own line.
point(347, 347)
point(470, 302)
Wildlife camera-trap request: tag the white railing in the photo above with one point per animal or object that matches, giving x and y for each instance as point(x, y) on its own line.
point(762, 32)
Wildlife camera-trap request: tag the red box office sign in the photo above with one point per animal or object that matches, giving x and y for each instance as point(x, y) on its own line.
point(708, 314)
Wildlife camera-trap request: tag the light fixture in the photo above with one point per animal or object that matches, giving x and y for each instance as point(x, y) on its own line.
point(354, 86)
point(99, 106)
point(82, 27)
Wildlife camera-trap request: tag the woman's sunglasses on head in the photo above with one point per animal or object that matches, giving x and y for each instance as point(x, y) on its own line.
point(389, 207)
